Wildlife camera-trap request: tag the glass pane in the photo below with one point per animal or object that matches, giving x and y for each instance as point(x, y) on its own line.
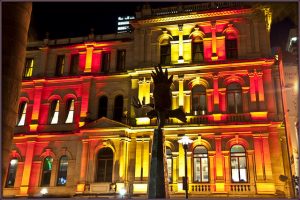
point(62, 173)
point(197, 170)
point(204, 165)
point(11, 176)
point(243, 169)
point(237, 148)
point(47, 168)
point(109, 168)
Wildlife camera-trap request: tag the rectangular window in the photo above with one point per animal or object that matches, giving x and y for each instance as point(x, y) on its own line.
point(60, 62)
point(55, 111)
point(121, 55)
point(74, 64)
point(197, 52)
point(70, 109)
point(105, 62)
point(165, 54)
point(28, 67)
point(231, 49)
point(22, 114)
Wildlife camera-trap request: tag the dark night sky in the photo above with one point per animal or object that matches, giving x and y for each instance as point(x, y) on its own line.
point(63, 20)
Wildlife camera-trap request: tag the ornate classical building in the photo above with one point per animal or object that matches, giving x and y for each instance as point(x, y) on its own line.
point(78, 134)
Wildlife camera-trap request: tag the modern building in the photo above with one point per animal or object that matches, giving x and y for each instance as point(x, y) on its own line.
point(77, 132)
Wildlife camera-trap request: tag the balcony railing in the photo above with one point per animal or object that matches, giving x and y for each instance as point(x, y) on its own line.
point(200, 188)
point(241, 188)
point(211, 119)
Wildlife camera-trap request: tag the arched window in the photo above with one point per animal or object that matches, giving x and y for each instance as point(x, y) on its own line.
point(22, 114)
point(165, 52)
point(102, 107)
point(104, 165)
point(234, 98)
point(46, 174)
point(231, 46)
point(62, 171)
point(169, 164)
point(70, 111)
point(118, 109)
point(200, 160)
point(12, 170)
point(238, 164)
point(197, 50)
point(54, 112)
point(199, 100)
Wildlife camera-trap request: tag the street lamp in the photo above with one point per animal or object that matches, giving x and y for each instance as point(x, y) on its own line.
point(185, 140)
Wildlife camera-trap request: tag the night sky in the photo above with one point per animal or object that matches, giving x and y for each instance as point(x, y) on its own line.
point(64, 20)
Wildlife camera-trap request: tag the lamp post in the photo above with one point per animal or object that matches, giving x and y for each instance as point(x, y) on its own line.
point(185, 140)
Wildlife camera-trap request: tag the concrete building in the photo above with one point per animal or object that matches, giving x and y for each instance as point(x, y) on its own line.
point(78, 134)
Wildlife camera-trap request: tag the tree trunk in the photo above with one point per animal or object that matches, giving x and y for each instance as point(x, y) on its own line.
point(15, 25)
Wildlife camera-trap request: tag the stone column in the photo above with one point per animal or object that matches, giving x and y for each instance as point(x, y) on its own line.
point(83, 166)
point(220, 185)
point(214, 41)
point(180, 92)
point(212, 176)
point(216, 93)
point(15, 25)
point(88, 60)
point(261, 95)
point(252, 92)
point(245, 91)
point(180, 50)
point(138, 160)
point(187, 103)
point(267, 158)
point(269, 92)
point(258, 157)
point(27, 168)
point(227, 170)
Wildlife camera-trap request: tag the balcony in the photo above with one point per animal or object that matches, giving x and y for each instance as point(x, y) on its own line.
point(211, 119)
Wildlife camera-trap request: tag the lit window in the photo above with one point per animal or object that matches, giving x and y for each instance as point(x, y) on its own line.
point(199, 100)
point(234, 98)
point(12, 170)
point(70, 111)
point(28, 67)
point(54, 112)
point(104, 165)
point(62, 171)
point(22, 114)
point(200, 158)
point(169, 164)
point(238, 164)
point(47, 168)
point(60, 62)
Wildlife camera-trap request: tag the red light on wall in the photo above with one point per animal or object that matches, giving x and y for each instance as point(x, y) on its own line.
point(82, 60)
point(207, 44)
point(96, 62)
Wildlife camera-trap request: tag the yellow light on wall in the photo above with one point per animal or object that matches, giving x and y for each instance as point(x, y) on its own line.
point(142, 121)
point(140, 188)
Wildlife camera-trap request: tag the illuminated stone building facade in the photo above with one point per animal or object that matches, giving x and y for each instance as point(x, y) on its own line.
point(78, 134)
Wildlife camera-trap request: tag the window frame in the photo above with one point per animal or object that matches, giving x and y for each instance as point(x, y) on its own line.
point(231, 48)
point(167, 56)
point(201, 157)
point(101, 107)
point(14, 173)
point(59, 171)
point(200, 52)
point(198, 94)
point(238, 108)
point(43, 184)
point(53, 110)
point(70, 111)
point(118, 110)
point(74, 64)
point(22, 114)
point(60, 64)
point(121, 59)
point(239, 169)
point(169, 157)
point(28, 68)
point(105, 61)
point(106, 172)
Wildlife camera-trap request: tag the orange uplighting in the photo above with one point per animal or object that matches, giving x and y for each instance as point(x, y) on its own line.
point(217, 117)
point(257, 116)
point(33, 127)
point(80, 187)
